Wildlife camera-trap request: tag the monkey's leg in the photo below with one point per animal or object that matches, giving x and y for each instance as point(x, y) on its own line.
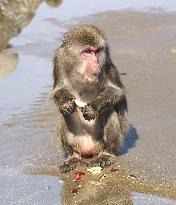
point(105, 159)
point(68, 144)
point(68, 130)
point(71, 163)
point(74, 159)
point(112, 141)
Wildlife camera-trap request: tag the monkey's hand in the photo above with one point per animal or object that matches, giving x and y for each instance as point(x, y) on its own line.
point(64, 100)
point(68, 107)
point(89, 113)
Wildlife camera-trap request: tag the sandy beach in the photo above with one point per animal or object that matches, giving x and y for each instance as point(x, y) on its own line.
point(143, 47)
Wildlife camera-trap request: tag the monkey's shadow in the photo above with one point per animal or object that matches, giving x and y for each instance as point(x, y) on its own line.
point(130, 140)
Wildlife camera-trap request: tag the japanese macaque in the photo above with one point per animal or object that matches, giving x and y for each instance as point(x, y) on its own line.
point(90, 97)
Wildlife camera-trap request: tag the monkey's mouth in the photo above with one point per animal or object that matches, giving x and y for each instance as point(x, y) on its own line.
point(92, 78)
point(93, 74)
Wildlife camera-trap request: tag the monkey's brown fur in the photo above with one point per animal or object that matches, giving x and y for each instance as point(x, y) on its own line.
point(98, 127)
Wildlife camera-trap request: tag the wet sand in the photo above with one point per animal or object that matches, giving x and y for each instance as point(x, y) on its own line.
point(142, 47)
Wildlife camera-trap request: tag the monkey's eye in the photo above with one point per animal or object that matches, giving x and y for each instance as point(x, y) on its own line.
point(88, 51)
point(100, 49)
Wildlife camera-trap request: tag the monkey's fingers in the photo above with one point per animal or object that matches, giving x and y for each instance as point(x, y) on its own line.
point(71, 109)
point(71, 164)
point(104, 161)
point(65, 168)
point(89, 116)
point(71, 106)
point(84, 113)
point(64, 111)
point(68, 108)
point(88, 112)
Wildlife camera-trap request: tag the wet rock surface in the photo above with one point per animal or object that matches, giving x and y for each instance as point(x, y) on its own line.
point(14, 15)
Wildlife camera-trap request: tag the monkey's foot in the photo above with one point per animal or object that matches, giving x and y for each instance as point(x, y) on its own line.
point(71, 164)
point(104, 160)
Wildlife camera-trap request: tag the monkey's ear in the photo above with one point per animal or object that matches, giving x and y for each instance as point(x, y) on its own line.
point(112, 72)
point(56, 68)
point(109, 64)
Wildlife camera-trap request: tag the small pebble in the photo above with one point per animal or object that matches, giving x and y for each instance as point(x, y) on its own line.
point(48, 187)
point(113, 169)
point(102, 177)
point(96, 183)
point(75, 191)
point(132, 176)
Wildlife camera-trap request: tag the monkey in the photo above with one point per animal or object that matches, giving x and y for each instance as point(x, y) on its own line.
point(90, 97)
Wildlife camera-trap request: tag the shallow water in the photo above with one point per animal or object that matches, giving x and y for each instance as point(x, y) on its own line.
point(35, 45)
point(28, 146)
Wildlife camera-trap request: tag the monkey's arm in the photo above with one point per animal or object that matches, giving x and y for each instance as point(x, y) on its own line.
point(64, 100)
point(109, 97)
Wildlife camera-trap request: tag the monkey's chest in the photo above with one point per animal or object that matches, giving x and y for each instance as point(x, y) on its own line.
point(82, 126)
point(86, 136)
point(80, 103)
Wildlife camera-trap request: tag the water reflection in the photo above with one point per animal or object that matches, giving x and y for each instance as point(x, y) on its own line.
point(8, 63)
point(53, 3)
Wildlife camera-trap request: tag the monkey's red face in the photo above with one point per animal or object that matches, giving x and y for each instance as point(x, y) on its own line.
point(91, 57)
